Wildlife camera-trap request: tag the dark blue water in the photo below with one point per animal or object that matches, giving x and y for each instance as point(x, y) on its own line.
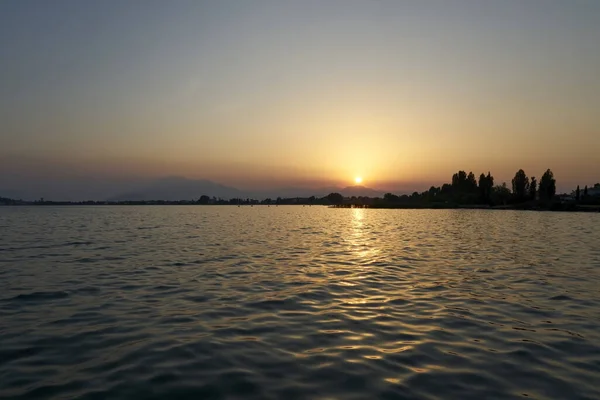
point(298, 303)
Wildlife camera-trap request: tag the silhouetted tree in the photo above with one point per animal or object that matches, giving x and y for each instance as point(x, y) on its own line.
point(501, 194)
point(577, 193)
point(471, 183)
point(533, 188)
point(464, 188)
point(585, 192)
point(547, 186)
point(459, 180)
point(486, 184)
point(204, 199)
point(433, 193)
point(391, 198)
point(482, 188)
point(520, 185)
point(446, 189)
point(335, 198)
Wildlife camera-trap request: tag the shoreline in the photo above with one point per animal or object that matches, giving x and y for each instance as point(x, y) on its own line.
point(516, 207)
point(557, 207)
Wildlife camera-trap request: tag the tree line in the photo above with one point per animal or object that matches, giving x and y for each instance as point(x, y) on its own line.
point(333, 198)
point(466, 189)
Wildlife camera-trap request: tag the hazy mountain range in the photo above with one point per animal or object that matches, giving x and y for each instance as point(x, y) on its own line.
point(170, 188)
point(176, 188)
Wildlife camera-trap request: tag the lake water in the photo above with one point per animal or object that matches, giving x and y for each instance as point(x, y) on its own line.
point(221, 302)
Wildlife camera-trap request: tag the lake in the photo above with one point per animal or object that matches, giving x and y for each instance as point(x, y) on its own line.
point(291, 302)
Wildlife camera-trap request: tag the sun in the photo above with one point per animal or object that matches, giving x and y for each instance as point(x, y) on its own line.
point(358, 180)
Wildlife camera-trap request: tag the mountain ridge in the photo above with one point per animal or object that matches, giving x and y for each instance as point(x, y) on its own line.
point(179, 188)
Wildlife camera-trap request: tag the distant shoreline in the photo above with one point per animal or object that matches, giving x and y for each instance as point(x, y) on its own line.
point(517, 207)
point(560, 207)
point(464, 192)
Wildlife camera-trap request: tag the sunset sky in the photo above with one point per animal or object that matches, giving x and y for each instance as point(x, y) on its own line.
point(307, 92)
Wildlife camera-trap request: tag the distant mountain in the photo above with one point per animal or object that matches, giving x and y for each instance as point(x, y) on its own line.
point(176, 188)
point(292, 192)
point(70, 189)
point(359, 191)
point(319, 192)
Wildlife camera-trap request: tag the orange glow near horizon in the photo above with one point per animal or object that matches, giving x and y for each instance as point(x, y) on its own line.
point(366, 93)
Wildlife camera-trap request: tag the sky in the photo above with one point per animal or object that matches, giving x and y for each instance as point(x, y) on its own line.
point(269, 93)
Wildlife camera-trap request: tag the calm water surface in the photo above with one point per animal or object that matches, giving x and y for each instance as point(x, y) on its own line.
point(298, 303)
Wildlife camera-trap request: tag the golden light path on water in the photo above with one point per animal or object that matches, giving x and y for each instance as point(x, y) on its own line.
point(286, 302)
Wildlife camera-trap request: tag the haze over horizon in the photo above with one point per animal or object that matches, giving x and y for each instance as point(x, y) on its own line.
point(97, 96)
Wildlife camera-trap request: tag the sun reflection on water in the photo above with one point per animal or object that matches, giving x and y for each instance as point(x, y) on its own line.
point(361, 243)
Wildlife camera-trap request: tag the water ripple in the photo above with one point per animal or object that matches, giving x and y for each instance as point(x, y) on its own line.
point(298, 302)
